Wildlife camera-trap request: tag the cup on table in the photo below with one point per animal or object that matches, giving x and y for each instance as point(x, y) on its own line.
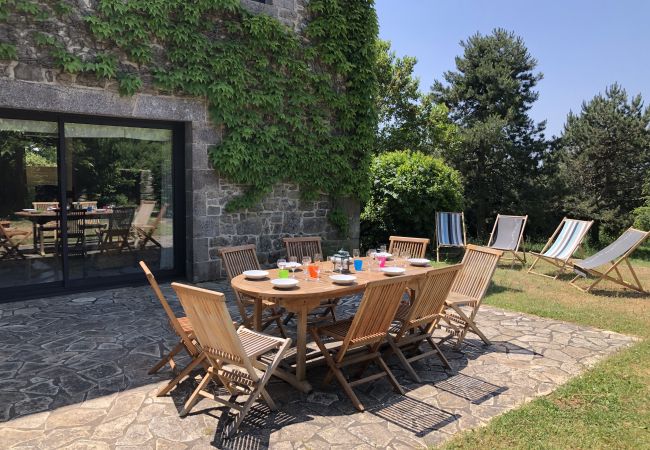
point(382, 261)
point(313, 271)
point(358, 265)
point(283, 273)
point(306, 261)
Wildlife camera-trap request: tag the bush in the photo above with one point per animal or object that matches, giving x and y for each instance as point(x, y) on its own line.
point(407, 188)
point(642, 218)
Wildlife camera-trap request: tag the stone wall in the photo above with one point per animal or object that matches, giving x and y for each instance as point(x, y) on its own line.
point(31, 83)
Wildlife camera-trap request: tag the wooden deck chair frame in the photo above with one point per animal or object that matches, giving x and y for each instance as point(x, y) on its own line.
point(417, 247)
point(233, 355)
point(236, 260)
point(145, 232)
point(10, 241)
point(309, 246)
point(468, 290)
point(368, 328)
point(117, 228)
point(561, 264)
point(618, 279)
point(418, 320)
point(520, 241)
point(436, 236)
point(183, 329)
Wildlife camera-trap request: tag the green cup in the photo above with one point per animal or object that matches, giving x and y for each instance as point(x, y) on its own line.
point(283, 273)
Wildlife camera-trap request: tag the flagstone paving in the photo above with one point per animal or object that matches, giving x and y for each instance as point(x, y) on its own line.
point(73, 374)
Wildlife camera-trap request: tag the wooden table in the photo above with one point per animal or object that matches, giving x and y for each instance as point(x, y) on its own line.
point(40, 218)
point(307, 297)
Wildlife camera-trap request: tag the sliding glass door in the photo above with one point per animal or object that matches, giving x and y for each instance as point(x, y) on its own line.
point(88, 199)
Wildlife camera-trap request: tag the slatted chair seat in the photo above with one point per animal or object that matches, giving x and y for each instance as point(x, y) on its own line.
point(234, 356)
point(468, 290)
point(185, 324)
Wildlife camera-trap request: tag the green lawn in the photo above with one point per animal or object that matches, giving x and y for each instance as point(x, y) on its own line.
point(608, 406)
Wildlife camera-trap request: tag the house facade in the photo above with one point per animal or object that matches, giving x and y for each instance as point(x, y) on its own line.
point(134, 175)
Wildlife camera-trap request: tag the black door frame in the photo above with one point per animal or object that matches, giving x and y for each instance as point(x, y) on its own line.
point(66, 285)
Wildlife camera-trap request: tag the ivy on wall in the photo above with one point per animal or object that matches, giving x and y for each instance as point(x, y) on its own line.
point(294, 107)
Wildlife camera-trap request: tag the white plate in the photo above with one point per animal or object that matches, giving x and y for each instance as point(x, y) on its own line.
point(29, 210)
point(392, 271)
point(284, 283)
point(255, 274)
point(295, 265)
point(423, 262)
point(343, 279)
point(386, 254)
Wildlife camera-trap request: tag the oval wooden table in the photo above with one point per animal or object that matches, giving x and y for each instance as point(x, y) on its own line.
point(306, 297)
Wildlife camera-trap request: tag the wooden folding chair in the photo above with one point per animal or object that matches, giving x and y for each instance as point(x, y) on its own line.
point(417, 321)
point(10, 240)
point(183, 329)
point(50, 226)
point(416, 247)
point(368, 328)
point(450, 231)
point(237, 260)
point(614, 254)
point(142, 230)
point(508, 235)
point(310, 246)
point(117, 234)
point(564, 242)
point(468, 290)
point(234, 356)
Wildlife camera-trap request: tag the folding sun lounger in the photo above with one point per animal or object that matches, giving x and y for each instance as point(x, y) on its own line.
point(507, 235)
point(614, 254)
point(562, 245)
point(450, 231)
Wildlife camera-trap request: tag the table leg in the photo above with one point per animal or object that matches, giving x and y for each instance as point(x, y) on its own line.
point(42, 240)
point(301, 344)
point(257, 315)
point(35, 236)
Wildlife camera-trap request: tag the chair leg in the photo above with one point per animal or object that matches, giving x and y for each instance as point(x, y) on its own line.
point(178, 378)
point(402, 359)
point(441, 355)
point(390, 375)
point(168, 358)
point(189, 404)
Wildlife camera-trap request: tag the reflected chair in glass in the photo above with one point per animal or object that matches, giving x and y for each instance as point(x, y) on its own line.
point(242, 360)
point(416, 322)
point(144, 232)
point(10, 241)
point(91, 223)
point(117, 234)
point(236, 261)
point(50, 226)
point(76, 233)
point(360, 337)
point(185, 333)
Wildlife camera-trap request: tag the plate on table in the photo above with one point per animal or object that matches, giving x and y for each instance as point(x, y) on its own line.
point(343, 279)
point(392, 271)
point(294, 265)
point(255, 274)
point(284, 283)
point(420, 262)
point(29, 210)
point(384, 254)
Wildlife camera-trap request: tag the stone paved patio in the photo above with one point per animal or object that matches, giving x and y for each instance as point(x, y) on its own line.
point(73, 374)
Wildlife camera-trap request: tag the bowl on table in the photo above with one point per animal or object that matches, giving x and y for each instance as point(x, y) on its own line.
point(284, 283)
point(292, 265)
point(343, 279)
point(392, 271)
point(255, 274)
point(420, 262)
point(384, 255)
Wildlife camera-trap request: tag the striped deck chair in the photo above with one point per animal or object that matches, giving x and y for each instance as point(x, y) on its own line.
point(508, 234)
point(614, 254)
point(564, 242)
point(450, 231)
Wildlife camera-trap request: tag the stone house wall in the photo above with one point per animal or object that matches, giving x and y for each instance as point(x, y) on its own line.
point(31, 83)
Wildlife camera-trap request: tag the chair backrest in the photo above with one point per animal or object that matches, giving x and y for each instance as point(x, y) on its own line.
point(173, 320)
point(450, 229)
point(507, 232)
point(417, 247)
point(474, 278)
point(76, 222)
point(566, 239)
point(375, 314)
point(121, 218)
point(430, 299)
point(85, 204)
point(621, 247)
point(303, 246)
point(144, 213)
point(239, 259)
point(43, 206)
point(212, 324)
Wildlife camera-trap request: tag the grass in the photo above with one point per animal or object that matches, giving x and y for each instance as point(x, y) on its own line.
point(608, 406)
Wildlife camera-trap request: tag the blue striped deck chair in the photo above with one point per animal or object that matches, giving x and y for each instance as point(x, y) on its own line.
point(508, 235)
point(450, 231)
point(564, 242)
point(614, 254)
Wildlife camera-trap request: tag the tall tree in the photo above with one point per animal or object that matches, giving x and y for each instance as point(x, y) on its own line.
point(606, 159)
point(501, 149)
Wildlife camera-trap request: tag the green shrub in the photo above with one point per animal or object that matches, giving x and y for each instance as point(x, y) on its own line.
point(407, 188)
point(642, 218)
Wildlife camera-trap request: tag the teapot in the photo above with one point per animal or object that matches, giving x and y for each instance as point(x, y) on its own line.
point(344, 261)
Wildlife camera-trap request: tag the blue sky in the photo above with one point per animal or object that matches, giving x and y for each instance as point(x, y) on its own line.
point(581, 46)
